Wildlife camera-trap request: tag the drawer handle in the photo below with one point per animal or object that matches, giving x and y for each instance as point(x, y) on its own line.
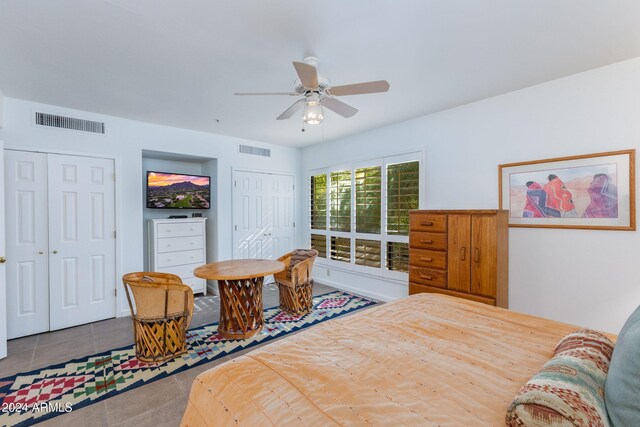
point(192, 243)
point(422, 258)
point(463, 253)
point(426, 223)
point(426, 277)
point(476, 255)
point(426, 241)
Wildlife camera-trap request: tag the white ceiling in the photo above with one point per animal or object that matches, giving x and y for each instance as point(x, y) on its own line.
point(179, 62)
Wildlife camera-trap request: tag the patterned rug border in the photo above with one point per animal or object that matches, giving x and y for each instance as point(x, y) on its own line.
point(367, 303)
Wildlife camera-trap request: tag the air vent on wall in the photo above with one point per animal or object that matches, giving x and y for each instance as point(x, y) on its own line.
point(63, 122)
point(256, 151)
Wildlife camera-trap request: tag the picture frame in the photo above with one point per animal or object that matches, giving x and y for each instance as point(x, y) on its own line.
point(591, 191)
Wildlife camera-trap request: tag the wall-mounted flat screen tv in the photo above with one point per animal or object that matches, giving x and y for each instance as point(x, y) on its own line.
point(177, 191)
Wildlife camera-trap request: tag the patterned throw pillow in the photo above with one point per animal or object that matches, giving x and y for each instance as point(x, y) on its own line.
point(299, 255)
point(569, 390)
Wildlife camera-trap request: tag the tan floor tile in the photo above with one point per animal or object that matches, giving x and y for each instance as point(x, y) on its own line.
point(16, 362)
point(130, 404)
point(169, 414)
point(90, 416)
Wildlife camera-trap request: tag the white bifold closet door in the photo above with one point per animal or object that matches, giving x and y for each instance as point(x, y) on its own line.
point(60, 241)
point(263, 215)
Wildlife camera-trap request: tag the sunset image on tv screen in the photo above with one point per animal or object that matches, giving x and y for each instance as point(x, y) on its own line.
point(176, 191)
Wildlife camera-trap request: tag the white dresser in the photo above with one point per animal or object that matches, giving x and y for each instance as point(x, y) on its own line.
point(178, 246)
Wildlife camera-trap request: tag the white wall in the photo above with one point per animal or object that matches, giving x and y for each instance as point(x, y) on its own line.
point(126, 139)
point(589, 278)
point(1, 110)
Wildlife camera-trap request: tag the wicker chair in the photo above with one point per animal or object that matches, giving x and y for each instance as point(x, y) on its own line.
point(295, 283)
point(162, 313)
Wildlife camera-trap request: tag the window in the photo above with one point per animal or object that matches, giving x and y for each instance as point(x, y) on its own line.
point(398, 256)
point(319, 202)
point(340, 201)
point(341, 249)
point(402, 195)
point(368, 252)
point(368, 199)
point(359, 216)
point(319, 243)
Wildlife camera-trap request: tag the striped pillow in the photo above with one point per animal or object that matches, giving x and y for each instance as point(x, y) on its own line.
point(569, 390)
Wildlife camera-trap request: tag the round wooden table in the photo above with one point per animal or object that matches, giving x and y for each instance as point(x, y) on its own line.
point(240, 285)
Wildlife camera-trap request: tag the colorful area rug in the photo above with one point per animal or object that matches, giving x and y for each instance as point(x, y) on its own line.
point(32, 397)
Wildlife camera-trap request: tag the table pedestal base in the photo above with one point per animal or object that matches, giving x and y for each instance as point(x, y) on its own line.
point(241, 311)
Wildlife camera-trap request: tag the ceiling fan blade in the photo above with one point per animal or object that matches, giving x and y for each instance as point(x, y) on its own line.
point(297, 106)
point(345, 110)
point(307, 73)
point(267, 93)
point(360, 88)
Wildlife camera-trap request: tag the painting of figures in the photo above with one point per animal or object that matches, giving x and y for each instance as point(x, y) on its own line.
point(587, 192)
point(594, 191)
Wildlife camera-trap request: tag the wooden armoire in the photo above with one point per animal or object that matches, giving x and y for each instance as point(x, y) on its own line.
point(462, 253)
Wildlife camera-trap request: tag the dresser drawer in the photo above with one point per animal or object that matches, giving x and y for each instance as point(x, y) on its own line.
point(182, 270)
point(425, 240)
point(428, 276)
point(170, 244)
point(180, 229)
point(198, 285)
point(428, 222)
point(426, 258)
point(171, 259)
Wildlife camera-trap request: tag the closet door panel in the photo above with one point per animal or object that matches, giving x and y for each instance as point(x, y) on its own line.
point(484, 261)
point(459, 249)
point(26, 243)
point(82, 240)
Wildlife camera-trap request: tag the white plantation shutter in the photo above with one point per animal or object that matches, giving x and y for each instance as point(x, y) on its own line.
point(340, 215)
point(368, 199)
point(341, 249)
point(319, 243)
point(402, 195)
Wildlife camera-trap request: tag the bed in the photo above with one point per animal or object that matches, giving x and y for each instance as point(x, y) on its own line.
point(424, 360)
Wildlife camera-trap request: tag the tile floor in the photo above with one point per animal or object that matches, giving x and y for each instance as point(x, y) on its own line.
point(160, 403)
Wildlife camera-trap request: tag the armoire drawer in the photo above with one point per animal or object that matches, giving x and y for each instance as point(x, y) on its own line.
point(171, 244)
point(178, 258)
point(428, 222)
point(425, 240)
point(428, 276)
point(180, 229)
point(426, 258)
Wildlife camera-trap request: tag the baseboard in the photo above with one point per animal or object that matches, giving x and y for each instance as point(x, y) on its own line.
point(363, 292)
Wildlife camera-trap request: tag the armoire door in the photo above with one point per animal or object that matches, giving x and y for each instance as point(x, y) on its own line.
point(81, 240)
point(262, 215)
point(25, 175)
point(484, 246)
point(459, 252)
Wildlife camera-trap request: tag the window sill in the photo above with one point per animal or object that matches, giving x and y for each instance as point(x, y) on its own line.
point(395, 277)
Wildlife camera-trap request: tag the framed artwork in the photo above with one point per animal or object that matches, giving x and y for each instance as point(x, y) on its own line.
point(593, 191)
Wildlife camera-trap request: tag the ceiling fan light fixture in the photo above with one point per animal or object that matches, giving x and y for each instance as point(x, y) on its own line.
point(313, 114)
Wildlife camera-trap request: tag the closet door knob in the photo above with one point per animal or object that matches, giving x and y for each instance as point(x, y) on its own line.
point(40, 252)
point(3, 260)
point(55, 251)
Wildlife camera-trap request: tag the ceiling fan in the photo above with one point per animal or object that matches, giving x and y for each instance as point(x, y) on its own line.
point(317, 93)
